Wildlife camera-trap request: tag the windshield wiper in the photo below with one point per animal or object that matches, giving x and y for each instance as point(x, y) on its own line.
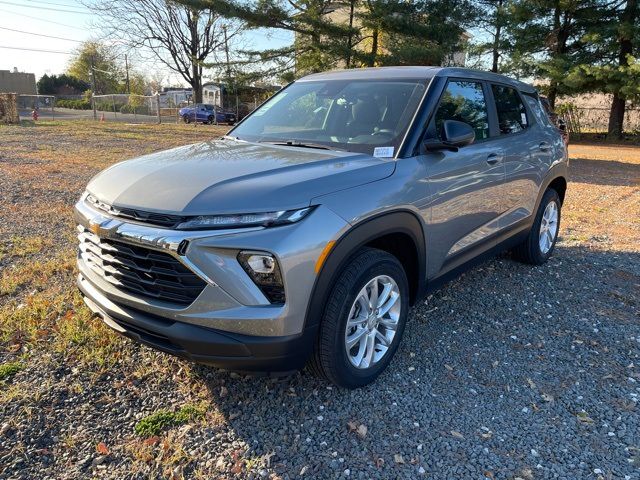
point(293, 143)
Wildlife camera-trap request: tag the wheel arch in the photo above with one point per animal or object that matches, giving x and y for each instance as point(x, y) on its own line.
point(399, 233)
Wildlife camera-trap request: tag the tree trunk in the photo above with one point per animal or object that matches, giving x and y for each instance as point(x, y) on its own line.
point(618, 104)
point(196, 69)
point(196, 83)
point(496, 38)
point(616, 117)
point(374, 48)
point(350, 38)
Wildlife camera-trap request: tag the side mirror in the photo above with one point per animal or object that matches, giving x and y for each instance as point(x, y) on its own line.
point(454, 135)
point(458, 134)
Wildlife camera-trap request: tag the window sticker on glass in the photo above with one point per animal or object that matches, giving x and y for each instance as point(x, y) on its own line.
point(383, 152)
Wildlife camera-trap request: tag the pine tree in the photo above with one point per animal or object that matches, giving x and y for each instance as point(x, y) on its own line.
point(550, 38)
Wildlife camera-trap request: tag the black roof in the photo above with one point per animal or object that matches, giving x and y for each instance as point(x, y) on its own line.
point(422, 73)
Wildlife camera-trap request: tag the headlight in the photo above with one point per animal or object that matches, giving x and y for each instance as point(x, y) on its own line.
point(266, 219)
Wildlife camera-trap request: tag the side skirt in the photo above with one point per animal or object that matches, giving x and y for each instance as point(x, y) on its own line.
point(505, 242)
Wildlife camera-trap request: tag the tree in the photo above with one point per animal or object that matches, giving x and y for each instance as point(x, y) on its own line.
point(613, 43)
point(550, 38)
point(180, 37)
point(53, 84)
point(491, 24)
point(352, 33)
point(96, 56)
point(625, 78)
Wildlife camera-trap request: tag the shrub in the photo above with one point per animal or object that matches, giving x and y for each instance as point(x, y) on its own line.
point(75, 104)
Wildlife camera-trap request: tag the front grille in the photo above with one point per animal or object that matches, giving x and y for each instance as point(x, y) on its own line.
point(140, 270)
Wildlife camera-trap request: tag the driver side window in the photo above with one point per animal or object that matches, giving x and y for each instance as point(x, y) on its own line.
point(464, 101)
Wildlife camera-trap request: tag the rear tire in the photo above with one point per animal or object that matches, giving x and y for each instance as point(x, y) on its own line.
point(541, 241)
point(353, 355)
point(210, 120)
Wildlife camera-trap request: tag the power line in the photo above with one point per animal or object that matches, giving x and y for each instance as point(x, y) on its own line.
point(43, 20)
point(36, 50)
point(53, 3)
point(46, 8)
point(41, 35)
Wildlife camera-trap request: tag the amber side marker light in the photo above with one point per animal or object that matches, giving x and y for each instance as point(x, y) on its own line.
point(323, 256)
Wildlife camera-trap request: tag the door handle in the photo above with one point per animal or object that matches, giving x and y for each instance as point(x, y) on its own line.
point(493, 158)
point(544, 146)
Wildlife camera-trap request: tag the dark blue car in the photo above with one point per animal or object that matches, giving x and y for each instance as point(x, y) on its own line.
point(205, 113)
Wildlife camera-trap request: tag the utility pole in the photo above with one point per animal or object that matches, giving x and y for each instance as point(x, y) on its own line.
point(226, 51)
point(93, 90)
point(126, 67)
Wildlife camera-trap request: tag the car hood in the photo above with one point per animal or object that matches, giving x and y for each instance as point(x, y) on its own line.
point(232, 176)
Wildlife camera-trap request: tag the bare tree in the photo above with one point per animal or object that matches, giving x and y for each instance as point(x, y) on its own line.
point(180, 37)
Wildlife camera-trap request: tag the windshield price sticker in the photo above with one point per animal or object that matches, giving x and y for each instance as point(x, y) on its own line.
point(383, 152)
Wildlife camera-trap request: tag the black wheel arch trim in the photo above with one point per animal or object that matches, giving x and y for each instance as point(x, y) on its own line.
point(397, 221)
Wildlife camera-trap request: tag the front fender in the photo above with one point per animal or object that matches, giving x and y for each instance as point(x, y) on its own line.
point(404, 222)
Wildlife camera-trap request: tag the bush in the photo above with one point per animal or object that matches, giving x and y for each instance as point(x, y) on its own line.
point(75, 104)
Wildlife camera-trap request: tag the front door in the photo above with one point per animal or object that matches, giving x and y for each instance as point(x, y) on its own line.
point(466, 186)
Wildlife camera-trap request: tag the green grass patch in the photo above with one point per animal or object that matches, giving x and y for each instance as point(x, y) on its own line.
point(9, 369)
point(156, 422)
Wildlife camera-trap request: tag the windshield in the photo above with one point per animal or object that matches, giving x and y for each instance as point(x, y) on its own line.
point(353, 115)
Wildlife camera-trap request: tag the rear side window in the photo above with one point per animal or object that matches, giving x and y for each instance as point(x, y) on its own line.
point(464, 101)
point(537, 108)
point(512, 115)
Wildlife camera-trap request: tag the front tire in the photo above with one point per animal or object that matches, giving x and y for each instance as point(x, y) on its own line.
point(542, 238)
point(363, 320)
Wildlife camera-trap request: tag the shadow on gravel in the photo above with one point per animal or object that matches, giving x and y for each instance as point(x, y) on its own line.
point(508, 369)
point(605, 172)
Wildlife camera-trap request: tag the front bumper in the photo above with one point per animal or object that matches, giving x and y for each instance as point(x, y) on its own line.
point(230, 324)
point(200, 344)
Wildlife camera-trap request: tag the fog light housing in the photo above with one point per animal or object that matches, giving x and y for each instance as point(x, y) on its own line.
point(264, 270)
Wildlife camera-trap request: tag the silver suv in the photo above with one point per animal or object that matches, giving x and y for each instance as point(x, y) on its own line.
point(306, 233)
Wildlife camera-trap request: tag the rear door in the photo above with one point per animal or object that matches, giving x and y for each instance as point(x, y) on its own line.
point(465, 186)
point(524, 145)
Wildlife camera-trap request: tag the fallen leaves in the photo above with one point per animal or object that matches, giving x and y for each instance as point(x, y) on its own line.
point(359, 429)
point(456, 434)
point(102, 448)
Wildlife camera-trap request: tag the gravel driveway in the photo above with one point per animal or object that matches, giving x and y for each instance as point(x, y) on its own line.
point(507, 372)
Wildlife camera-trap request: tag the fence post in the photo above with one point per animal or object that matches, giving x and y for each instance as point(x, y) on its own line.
point(93, 105)
point(158, 107)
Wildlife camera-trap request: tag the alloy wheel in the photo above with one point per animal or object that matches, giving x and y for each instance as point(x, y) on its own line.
point(548, 227)
point(373, 322)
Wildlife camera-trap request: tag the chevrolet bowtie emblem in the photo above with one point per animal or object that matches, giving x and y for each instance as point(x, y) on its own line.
point(97, 229)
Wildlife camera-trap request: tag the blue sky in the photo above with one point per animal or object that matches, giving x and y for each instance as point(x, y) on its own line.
point(71, 21)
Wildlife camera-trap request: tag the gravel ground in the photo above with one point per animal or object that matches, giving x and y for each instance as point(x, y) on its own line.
point(507, 372)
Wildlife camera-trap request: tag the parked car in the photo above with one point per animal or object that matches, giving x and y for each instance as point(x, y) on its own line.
point(205, 113)
point(556, 119)
point(306, 233)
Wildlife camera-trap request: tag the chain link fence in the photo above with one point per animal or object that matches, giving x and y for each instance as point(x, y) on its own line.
point(34, 106)
point(596, 119)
